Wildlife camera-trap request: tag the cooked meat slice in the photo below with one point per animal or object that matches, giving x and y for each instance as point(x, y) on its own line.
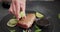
point(27, 22)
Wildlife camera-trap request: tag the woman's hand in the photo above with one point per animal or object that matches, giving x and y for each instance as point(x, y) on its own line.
point(16, 6)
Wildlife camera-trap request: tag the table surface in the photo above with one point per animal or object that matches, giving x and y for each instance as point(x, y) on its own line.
point(50, 9)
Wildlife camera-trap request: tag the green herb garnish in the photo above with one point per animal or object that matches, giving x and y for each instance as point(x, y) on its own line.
point(13, 30)
point(24, 30)
point(37, 29)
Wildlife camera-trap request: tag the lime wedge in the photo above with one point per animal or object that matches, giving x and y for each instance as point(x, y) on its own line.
point(39, 15)
point(22, 14)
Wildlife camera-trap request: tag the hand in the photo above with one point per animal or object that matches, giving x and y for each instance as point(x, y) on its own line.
point(16, 6)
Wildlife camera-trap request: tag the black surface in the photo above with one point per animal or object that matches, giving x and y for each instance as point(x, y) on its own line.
point(50, 9)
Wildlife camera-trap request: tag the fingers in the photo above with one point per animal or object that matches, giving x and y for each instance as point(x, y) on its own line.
point(14, 7)
point(17, 9)
point(10, 9)
point(23, 5)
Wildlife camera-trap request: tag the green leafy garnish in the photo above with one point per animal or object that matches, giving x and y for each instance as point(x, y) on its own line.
point(13, 30)
point(24, 30)
point(37, 29)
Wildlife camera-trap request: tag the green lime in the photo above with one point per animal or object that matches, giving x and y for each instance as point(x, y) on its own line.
point(22, 14)
point(12, 22)
point(39, 15)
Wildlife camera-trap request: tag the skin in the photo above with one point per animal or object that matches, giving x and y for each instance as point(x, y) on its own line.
point(16, 6)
